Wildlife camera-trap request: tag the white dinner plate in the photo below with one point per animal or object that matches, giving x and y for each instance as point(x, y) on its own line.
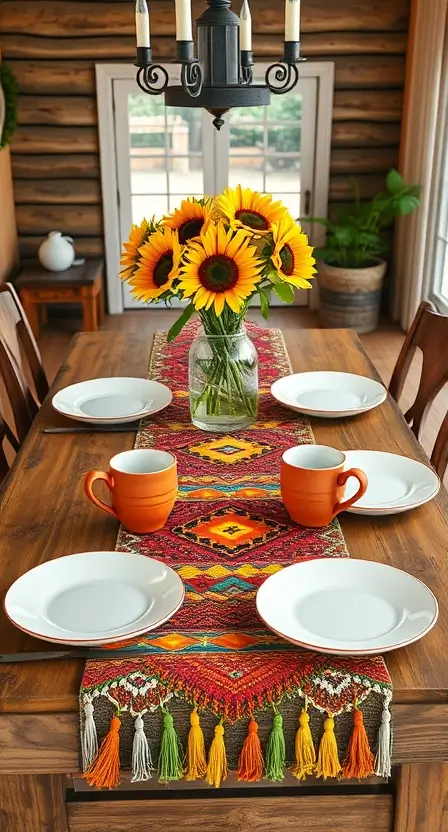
point(395, 483)
point(111, 401)
point(328, 394)
point(94, 598)
point(346, 606)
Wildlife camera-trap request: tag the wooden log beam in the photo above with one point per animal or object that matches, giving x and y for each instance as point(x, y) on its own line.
point(341, 188)
point(84, 246)
point(58, 166)
point(74, 19)
point(75, 111)
point(57, 191)
point(355, 160)
point(55, 140)
point(40, 219)
point(25, 46)
point(365, 134)
point(368, 105)
point(78, 78)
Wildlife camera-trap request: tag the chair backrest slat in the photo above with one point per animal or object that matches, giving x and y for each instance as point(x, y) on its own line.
point(20, 362)
point(429, 332)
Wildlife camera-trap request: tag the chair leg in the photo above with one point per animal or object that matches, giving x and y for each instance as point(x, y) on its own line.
point(90, 313)
point(31, 310)
point(100, 305)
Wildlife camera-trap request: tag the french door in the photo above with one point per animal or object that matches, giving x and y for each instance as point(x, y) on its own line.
point(162, 155)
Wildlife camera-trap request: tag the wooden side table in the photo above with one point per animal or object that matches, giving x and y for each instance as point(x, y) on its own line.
point(79, 284)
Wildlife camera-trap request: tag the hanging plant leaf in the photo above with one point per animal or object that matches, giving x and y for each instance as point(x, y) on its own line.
point(10, 89)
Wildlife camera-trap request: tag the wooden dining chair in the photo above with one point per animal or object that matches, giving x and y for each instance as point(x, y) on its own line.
point(6, 435)
point(429, 333)
point(20, 362)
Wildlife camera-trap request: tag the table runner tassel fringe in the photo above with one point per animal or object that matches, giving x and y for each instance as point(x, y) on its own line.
point(383, 763)
point(359, 762)
point(196, 761)
point(276, 750)
point(328, 764)
point(250, 763)
point(105, 769)
point(304, 748)
point(89, 739)
point(171, 752)
point(217, 760)
point(142, 764)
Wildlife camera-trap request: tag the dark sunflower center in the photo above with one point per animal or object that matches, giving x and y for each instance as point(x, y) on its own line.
point(162, 270)
point(287, 258)
point(218, 273)
point(253, 219)
point(189, 229)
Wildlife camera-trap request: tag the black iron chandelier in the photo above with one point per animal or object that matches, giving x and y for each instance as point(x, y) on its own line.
point(221, 75)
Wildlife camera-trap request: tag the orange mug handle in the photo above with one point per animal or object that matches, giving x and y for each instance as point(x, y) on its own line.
point(342, 479)
point(91, 477)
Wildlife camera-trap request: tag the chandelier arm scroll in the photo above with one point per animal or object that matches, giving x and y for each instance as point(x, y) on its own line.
point(281, 77)
point(152, 79)
point(191, 78)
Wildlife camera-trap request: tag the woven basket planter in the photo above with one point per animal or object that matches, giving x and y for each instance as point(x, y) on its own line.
point(350, 298)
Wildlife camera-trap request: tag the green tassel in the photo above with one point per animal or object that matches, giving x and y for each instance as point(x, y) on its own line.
point(171, 753)
point(275, 751)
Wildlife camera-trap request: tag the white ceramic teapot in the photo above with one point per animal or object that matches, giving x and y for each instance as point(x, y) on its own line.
point(56, 253)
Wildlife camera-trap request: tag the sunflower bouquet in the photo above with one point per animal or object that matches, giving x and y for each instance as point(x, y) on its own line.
point(216, 254)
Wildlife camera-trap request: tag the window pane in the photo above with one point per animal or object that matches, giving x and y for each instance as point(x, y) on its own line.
point(247, 171)
point(242, 136)
point(285, 107)
point(282, 174)
point(148, 206)
point(284, 138)
point(245, 114)
point(292, 202)
point(148, 174)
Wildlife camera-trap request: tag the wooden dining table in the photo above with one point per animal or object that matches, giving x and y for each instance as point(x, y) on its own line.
point(44, 514)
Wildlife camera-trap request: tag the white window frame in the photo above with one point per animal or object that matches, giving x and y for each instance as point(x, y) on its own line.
point(107, 74)
point(437, 256)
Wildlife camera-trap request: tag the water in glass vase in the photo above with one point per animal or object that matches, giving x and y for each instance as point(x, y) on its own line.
point(223, 379)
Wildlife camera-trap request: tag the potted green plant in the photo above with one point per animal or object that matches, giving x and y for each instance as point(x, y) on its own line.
point(350, 265)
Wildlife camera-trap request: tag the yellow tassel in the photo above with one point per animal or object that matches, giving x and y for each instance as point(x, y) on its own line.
point(217, 760)
point(304, 747)
point(328, 764)
point(359, 761)
point(250, 763)
point(105, 769)
point(197, 764)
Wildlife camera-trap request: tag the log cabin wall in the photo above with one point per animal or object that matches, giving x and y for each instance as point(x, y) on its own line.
point(9, 252)
point(53, 45)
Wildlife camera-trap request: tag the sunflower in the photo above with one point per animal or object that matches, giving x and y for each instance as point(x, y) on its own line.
point(130, 256)
point(158, 266)
point(220, 267)
point(250, 210)
point(292, 256)
point(190, 219)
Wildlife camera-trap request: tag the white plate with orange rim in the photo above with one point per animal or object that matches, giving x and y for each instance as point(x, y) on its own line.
point(347, 607)
point(94, 598)
point(395, 483)
point(330, 395)
point(112, 401)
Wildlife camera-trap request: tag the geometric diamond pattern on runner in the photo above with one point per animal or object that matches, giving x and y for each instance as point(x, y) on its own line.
point(229, 450)
point(230, 530)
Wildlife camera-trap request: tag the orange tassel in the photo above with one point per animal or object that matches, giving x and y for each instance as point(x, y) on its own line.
point(250, 763)
point(359, 762)
point(197, 764)
point(104, 772)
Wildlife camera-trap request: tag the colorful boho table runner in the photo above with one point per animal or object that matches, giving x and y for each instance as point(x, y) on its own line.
point(214, 689)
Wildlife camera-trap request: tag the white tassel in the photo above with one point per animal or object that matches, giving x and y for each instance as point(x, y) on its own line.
point(141, 754)
point(89, 739)
point(383, 759)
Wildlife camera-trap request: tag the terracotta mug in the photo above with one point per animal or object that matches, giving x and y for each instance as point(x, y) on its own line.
point(312, 481)
point(143, 488)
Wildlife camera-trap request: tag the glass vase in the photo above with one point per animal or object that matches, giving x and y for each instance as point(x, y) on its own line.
point(223, 380)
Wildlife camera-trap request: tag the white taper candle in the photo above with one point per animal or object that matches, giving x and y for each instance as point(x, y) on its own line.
point(184, 29)
point(246, 27)
point(292, 20)
point(142, 23)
